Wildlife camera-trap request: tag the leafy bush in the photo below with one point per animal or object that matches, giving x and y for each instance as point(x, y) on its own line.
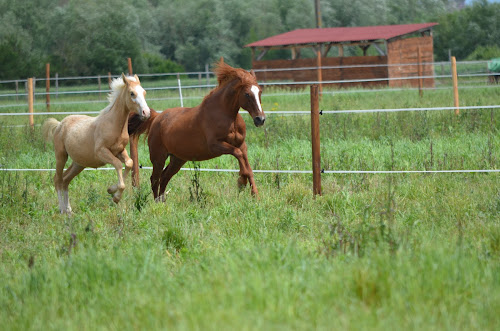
point(484, 53)
point(156, 63)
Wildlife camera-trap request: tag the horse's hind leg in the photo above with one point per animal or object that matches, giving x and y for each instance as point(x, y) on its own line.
point(158, 160)
point(61, 158)
point(173, 167)
point(70, 173)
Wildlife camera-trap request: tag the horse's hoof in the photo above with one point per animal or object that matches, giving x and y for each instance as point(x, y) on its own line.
point(112, 189)
point(163, 197)
point(66, 212)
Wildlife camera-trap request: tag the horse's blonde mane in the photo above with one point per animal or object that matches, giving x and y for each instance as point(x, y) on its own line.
point(117, 86)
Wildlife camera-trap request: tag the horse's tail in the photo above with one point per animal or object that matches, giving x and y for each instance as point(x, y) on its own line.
point(48, 129)
point(136, 126)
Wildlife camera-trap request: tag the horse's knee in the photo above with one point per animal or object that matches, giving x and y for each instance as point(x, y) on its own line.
point(242, 182)
point(129, 164)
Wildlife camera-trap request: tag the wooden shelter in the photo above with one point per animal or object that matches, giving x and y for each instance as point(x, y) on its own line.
point(403, 51)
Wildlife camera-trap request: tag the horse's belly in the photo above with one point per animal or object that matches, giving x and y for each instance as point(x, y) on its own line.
point(191, 152)
point(87, 162)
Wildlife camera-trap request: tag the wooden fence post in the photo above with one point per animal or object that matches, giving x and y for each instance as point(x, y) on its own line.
point(129, 61)
point(109, 79)
point(455, 84)
point(30, 102)
point(47, 86)
point(315, 141)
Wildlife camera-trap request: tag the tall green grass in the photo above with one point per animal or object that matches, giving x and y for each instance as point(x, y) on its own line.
point(415, 251)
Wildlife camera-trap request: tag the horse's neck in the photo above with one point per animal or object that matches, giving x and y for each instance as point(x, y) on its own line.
point(117, 115)
point(224, 101)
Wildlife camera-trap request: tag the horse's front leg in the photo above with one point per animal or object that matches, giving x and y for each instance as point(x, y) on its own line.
point(240, 154)
point(124, 158)
point(106, 156)
point(246, 173)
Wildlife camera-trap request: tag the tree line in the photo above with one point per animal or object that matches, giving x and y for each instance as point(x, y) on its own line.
point(95, 37)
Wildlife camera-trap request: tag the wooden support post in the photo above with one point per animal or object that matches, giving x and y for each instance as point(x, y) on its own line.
point(320, 73)
point(316, 157)
point(57, 85)
point(17, 90)
point(207, 74)
point(109, 79)
point(134, 145)
point(455, 84)
point(129, 61)
point(99, 84)
point(420, 73)
point(30, 102)
point(47, 86)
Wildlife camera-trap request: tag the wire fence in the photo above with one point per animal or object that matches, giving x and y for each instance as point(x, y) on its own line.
point(177, 85)
point(291, 112)
point(274, 171)
point(466, 69)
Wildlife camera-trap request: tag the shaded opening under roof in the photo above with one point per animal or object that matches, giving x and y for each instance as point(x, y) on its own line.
point(364, 37)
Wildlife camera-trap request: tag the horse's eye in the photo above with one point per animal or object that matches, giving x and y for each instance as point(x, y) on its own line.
point(247, 95)
point(132, 94)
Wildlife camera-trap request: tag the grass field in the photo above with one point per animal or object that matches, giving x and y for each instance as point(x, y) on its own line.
point(375, 251)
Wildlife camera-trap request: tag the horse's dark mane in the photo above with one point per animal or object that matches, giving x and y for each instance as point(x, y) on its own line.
point(226, 74)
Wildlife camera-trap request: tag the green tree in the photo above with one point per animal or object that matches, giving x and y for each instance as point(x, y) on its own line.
point(94, 36)
point(23, 36)
point(461, 32)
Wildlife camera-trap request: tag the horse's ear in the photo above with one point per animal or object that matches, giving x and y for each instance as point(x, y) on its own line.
point(137, 79)
point(124, 78)
point(253, 73)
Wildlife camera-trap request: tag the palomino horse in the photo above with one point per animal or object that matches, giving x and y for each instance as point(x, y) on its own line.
point(96, 141)
point(206, 131)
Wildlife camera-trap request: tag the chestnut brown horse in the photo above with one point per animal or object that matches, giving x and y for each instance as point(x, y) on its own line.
point(206, 131)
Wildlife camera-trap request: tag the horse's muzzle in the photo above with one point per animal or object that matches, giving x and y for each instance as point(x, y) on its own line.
point(259, 120)
point(144, 114)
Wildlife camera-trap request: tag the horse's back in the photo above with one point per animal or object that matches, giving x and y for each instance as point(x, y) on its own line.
point(76, 127)
point(76, 132)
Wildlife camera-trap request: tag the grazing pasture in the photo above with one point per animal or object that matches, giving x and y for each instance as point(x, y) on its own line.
point(378, 251)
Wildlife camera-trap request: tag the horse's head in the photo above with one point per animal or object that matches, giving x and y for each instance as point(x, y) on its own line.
point(136, 96)
point(249, 99)
point(247, 89)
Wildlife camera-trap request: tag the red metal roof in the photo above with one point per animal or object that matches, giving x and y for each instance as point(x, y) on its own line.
point(338, 35)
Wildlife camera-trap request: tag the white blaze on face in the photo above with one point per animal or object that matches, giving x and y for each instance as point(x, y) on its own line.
point(141, 101)
point(255, 91)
